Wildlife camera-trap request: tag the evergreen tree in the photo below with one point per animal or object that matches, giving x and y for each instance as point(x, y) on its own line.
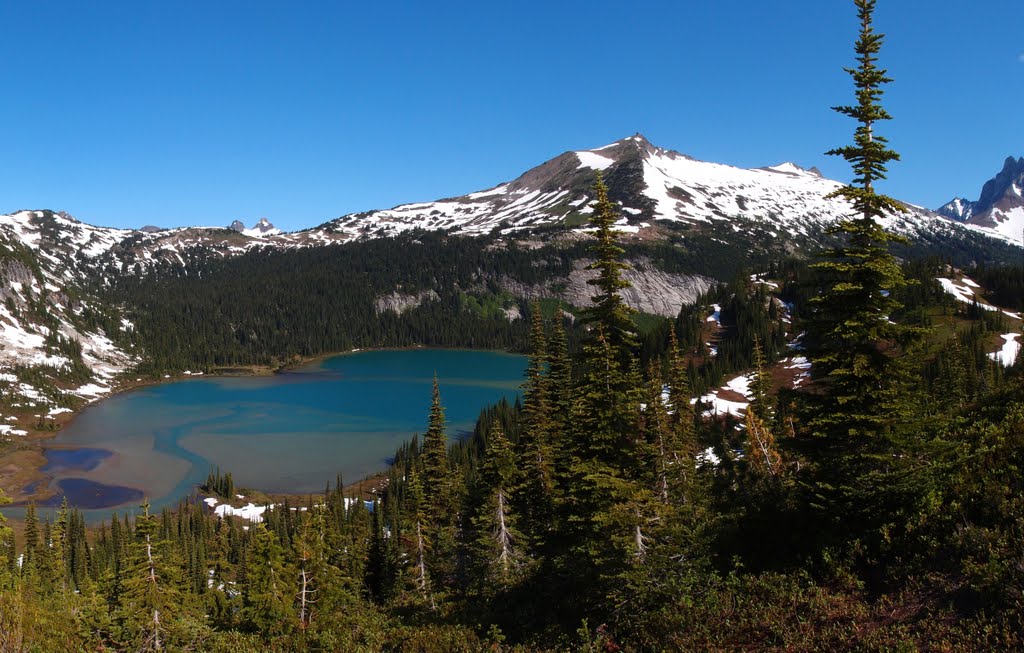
point(859, 353)
point(534, 449)
point(609, 310)
point(559, 372)
point(761, 385)
point(150, 594)
point(440, 500)
point(852, 340)
point(268, 597)
point(682, 474)
point(7, 549)
point(497, 546)
point(31, 535)
point(419, 544)
point(607, 499)
point(437, 501)
point(382, 564)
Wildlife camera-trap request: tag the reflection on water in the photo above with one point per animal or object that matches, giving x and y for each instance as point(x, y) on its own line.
point(292, 432)
point(90, 495)
point(84, 459)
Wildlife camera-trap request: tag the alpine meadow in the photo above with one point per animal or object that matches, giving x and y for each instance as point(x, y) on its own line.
point(761, 410)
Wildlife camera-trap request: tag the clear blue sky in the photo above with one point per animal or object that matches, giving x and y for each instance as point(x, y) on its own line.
point(173, 113)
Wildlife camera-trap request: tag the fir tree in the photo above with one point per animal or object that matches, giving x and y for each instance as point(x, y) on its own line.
point(31, 534)
point(609, 310)
point(851, 339)
point(268, 597)
point(859, 353)
point(382, 564)
point(682, 474)
point(534, 449)
point(497, 545)
point(440, 500)
point(419, 544)
point(436, 472)
point(7, 549)
point(150, 594)
point(761, 385)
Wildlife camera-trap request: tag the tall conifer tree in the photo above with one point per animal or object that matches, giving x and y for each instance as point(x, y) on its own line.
point(609, 309)
point(497, 546)
point(534, 448)
point(859, 353)
point(852, 340)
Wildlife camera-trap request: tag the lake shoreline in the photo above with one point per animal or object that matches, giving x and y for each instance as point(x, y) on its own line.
point(29, 456)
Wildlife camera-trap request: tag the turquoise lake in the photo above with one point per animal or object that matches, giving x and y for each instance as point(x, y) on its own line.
point(290, 432)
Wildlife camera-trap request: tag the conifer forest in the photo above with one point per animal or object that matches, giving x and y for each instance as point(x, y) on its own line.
point(878, 506)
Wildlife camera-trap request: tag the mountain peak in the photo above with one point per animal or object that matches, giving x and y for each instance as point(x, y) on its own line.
point(957, 209)
point(262, 228)
point(790, 168)
point(1012, 164)
point(1000, 206)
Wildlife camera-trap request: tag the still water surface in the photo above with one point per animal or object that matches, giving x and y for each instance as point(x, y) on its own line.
point(291, 432)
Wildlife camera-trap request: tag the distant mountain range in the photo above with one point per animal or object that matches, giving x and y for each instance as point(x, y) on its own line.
point(659, 192)
point(999, 208)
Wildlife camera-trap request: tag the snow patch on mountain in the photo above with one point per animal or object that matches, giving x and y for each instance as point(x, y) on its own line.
point(1007, 356)
point(594, 160)
point(718, 405)
point(261, 229)
point(966, 290)
point(1010, 224)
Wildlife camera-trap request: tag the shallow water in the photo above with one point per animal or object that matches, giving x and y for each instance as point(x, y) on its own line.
point(291, 432)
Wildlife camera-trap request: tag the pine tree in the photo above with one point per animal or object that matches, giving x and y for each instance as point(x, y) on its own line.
point(859, 353)
point(268, 597)
point(852, 340)
point(497, 546)
point(683, 475)
point(609, 309)
point(150, 597)
point(534, 449)
point(436, 472)
point(31, 535)
point(440, 500)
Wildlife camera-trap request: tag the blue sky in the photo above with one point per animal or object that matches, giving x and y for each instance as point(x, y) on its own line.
point(135, 113)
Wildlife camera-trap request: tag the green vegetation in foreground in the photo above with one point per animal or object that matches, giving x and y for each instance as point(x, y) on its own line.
point(878, 508)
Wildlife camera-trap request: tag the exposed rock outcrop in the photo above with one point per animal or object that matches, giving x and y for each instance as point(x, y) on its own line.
point(402, 302)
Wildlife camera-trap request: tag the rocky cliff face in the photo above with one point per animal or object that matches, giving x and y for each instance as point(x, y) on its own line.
point(651, 290)
point(399, 302)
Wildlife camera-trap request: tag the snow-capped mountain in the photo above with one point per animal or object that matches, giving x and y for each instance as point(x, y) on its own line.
point(1000, 207)
point(958, 209)
point(656, 189)
point(57, 343)
point(653, 187)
